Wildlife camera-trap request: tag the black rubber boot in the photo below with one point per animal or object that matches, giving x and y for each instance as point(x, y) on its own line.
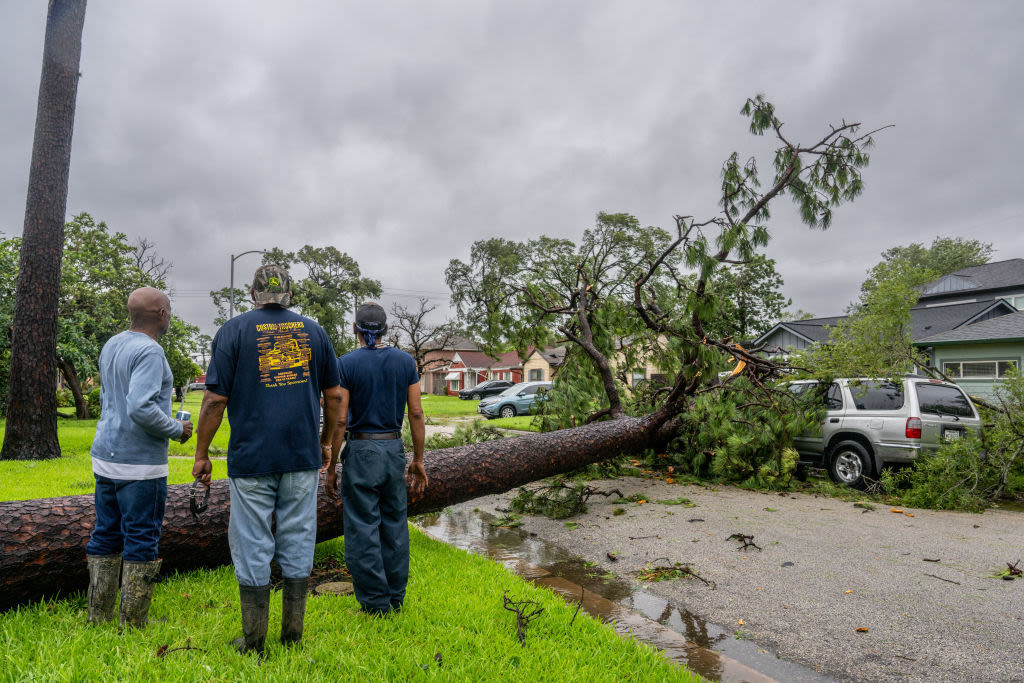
point(255, 602)
point(104, 577)
point(137, 592)
point(293, 609)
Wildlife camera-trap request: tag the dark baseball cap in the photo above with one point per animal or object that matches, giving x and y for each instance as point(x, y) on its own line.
point(272, 285)
point(370, 317)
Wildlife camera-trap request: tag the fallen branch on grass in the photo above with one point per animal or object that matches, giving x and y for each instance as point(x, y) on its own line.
point(523, 612)
point(580, 604)
point(163, 651)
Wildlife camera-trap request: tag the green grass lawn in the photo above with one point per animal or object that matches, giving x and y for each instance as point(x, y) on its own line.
point(447, 406)
point(72, 474)
point(520, 422)
point(453, 613)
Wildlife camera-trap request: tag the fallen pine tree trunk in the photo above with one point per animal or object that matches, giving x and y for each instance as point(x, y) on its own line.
point(42, 541)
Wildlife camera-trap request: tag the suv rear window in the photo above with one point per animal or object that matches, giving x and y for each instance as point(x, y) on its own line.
point(943, 400)
point(873, 395)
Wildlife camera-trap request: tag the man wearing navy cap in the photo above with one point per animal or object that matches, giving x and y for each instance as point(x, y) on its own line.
point(376, 384)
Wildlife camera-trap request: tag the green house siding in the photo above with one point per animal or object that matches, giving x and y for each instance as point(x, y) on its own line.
point(973, 351)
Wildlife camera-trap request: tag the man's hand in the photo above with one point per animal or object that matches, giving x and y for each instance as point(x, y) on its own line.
point(186, 431)
point(325, 456)
point(331, 484)
point(202, 469)
point(416, 476)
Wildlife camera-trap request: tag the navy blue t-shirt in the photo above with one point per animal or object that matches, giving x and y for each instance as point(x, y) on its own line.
point(378, 382)
point(272, 364)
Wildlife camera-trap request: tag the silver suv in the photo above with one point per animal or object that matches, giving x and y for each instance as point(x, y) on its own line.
point(870, 423)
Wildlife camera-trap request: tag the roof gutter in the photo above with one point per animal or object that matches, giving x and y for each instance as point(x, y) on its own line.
point(1007, 340)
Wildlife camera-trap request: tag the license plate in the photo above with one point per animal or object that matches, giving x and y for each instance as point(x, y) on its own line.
point(950, 435)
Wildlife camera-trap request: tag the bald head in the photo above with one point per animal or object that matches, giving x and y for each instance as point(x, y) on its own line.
point(150, 311)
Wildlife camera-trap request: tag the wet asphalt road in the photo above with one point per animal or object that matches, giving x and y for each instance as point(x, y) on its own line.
point(826, 569)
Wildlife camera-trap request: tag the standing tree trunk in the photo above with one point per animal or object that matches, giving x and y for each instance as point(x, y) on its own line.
point(32, 401)
point(67, 368)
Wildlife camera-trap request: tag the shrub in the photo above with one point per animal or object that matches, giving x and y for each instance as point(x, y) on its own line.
point(970, 474)
point(956, 477)
point(65, 398)
point(92, 399)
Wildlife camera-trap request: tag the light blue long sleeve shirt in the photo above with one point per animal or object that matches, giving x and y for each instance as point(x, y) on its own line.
point(135, 423)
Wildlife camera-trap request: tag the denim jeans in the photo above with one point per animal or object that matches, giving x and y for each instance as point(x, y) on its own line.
point(376, 523)
point(129, 514)
point(289, 500)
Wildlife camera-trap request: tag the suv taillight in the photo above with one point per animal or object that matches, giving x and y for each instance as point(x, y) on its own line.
point(913, 428)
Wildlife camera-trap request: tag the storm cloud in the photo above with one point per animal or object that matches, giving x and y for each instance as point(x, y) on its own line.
point(401, 132)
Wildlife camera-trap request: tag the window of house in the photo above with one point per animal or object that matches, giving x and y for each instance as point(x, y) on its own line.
point(1016, 301)
point(873, 395)
point(639, 375)
point(453, 384)
point(536, 375)
point(978, 369)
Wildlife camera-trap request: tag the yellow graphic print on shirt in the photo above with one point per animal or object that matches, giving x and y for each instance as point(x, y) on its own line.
point(284, 353)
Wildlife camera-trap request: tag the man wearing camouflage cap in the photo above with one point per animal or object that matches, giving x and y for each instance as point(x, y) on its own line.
point(269, 367)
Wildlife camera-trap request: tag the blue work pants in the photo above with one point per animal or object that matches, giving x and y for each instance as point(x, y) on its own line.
point(376, 522)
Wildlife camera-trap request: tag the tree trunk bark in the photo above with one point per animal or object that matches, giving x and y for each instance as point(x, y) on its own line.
point(67, 368)
point(42, 549)
point(32, 402)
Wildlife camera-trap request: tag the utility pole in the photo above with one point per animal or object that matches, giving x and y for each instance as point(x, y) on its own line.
point(231, 288)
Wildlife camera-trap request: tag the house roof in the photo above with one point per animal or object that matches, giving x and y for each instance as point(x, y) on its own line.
point(552, 355)
point(998, 275)
point(480, 360)
point(457, 344)
point(924, 321)
point(1004, 328)
point(555, 355)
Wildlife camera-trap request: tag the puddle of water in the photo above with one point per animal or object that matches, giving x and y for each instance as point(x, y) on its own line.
point(683, 637)
point(1010, 505)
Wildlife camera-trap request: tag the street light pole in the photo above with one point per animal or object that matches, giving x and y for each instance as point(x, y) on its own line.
point(231, 288)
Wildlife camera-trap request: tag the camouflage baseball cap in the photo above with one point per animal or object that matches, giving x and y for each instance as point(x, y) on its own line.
point(272, 285)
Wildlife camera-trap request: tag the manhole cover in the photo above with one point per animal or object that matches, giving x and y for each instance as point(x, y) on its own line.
point(334, 588)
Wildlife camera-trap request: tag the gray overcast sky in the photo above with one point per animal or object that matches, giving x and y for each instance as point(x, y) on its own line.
point(400, 132)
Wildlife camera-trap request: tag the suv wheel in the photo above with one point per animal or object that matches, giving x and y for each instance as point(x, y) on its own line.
point(508, 411)
point(849, 464)
point(477, 397)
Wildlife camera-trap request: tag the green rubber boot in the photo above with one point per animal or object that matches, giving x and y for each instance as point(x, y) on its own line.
point(255, 601)
point(293, 610)
point(104, 575)
point(137, 592)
